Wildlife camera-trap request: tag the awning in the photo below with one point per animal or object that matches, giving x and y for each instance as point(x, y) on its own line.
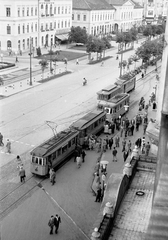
point(62, 37)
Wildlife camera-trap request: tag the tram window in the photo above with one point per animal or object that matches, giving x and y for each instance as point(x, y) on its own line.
point(40, 161)
point(53, 156)
point(73, 141)
point(44, 161)
point(59, 152)
point(65, 148)
point(69, 144)
point(36, 160)
point(115, 110)
point(120, 106)
point(33, 160)
point(96, 124)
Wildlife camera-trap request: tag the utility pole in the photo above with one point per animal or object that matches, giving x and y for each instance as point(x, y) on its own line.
point(30, 54)
point(121, 59)
point(50, 58)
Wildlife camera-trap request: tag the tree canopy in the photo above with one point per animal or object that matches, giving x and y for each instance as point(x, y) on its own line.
point(78, 35)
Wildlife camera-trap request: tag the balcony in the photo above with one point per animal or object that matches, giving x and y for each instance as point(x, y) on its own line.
point(47, 29)
point(52, 15)
point(47, 15)
point(42, 15)
point(42, 30)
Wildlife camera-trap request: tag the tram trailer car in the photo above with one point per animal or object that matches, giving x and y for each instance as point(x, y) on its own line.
point(92, 123)
point(126, 85)
point(115, 106)
point(53, 152)
point(108, 92)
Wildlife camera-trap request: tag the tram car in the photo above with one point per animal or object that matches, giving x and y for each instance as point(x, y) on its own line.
point(126, 85)
point(91, 123)
point(108, 92)
point(115, 106)
point(53, 152)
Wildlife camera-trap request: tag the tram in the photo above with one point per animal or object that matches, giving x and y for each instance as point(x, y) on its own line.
point(92, 123)
point(108, 92)
point(126, 85)
point(114, 107)
point(53, 152)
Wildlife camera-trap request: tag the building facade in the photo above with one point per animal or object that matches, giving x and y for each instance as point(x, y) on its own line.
point(96, 16)
point(42, 21)
point(128, 14)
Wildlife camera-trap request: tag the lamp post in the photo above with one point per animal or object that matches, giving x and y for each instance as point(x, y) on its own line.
point(121, 59)
point(30, 54)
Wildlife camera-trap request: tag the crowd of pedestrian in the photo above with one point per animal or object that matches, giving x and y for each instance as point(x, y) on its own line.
point(54, 221)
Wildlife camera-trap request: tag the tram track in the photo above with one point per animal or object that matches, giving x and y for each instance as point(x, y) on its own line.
point(14, 198)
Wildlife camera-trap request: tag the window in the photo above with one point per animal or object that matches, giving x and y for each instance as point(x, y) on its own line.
point(58, 24)
point(62, 24)
point(84, 17)
point(40, 161)
point(28, 43)
point(19, 29)
point(36, 27)
point(69, 9)
point(18, 12)
point(42, 27)
point(23, 12)
point(31, 11)
point(62, 10)
point(32, 27)
point(72, 16)
point(8, 29)
point(23, 44)
point(65, 148)
point(41, 6)
point(65, 24)
point(9, 44)
point(58, 10)
point(69, 144)
point(50, 26)
point(65, 10)
point(8, 12)
point(23, 28)
point(35, 11)
point(42, 41)
point(59, 152)
point(69, 23)
point(54, 24)
point(27, 28)
point(50, 9)
point(78, 17)
point(27, 11)
point(54, 10)
point(18, 44)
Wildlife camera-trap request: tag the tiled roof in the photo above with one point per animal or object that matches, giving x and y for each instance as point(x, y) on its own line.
point(137, 5)
point(116, 2)
point(91, 5)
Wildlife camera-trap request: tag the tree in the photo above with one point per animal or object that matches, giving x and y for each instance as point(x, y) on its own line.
point(135, 59)
point(78, 34)
point(147, 31)
point(134, 33)
point(95, 45)
point(44, 65)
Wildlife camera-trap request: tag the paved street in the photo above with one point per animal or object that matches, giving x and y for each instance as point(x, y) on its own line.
point(23, 121)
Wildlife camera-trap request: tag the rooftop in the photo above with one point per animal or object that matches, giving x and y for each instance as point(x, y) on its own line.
point(91, 5)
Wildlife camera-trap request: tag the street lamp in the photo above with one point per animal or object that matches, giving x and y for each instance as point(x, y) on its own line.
point(30, 54)
point(121, 49)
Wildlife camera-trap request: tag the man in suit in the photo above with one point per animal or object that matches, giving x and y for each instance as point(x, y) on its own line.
point(57, 221)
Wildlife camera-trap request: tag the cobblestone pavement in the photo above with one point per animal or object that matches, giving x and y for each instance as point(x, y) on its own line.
point(132, 219)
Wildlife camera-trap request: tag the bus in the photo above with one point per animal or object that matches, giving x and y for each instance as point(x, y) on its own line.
point(115, 106)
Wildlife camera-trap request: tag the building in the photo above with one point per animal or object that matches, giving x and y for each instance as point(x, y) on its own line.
point(96, 16)
point(42, 21)
point(128, 13)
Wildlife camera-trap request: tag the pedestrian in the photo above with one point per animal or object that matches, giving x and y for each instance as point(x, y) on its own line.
point(114, 153)
point(117, 57)
point(8, 146)
point(123, 144)
point(117, 141)
point(132, 129)
point(110, 143)
point(19, 162)
point(17, 59)
point(75, 154)
point(51, 224)
point(1, 140)
point(57, 221)
point(22, 174)
point(147, 148)
point(107, 142)
point(121, 130)
point(143, 145)
point(142, 75)
point(102, 64)
point(52, 176)
point(83, 155)
point(144, 128)
point(78, 161)
point(98, 195)
point(125, 155)
point(77, 62)
point(129, 144)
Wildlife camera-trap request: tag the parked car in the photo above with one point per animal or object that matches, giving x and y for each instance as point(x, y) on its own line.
point(79, 44)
